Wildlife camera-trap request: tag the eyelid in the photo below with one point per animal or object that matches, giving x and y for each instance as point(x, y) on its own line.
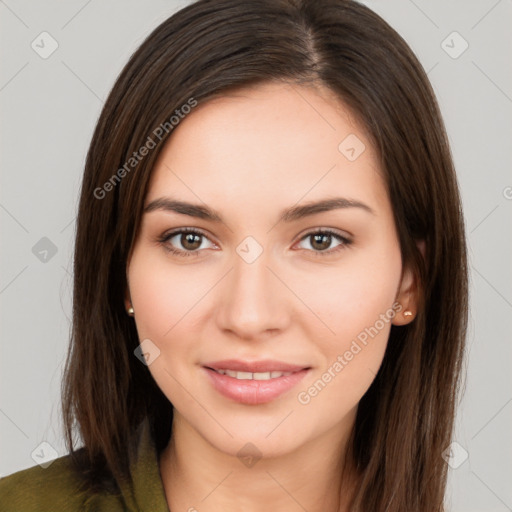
point(324, 229)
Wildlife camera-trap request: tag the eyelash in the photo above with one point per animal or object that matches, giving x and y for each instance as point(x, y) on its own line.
point(178, 252)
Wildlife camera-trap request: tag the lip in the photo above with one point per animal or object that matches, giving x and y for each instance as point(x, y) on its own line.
point(254, 392)
point(264, 365)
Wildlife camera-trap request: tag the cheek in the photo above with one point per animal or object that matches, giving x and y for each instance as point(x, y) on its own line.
point(165, 298)
point(356, 305)
point(353, 296)
point(163, 294)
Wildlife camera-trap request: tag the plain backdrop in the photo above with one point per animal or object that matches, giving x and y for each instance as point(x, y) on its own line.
point(49, 106)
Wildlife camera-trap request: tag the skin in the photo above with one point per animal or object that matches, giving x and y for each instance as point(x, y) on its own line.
point(249, 155)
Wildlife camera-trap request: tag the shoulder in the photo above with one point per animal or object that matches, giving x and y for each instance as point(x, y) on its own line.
point(38, 488)
point(54, 488)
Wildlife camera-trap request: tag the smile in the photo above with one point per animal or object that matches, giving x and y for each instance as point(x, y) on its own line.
point(253, 388)
point(253, 376)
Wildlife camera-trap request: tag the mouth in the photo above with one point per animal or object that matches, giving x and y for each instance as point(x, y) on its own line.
point(254, 382)
point(252, 376)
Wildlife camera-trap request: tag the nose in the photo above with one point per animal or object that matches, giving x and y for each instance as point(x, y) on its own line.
point(254, 302)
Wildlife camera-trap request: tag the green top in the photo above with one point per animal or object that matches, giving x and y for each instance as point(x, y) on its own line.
point(55, 489)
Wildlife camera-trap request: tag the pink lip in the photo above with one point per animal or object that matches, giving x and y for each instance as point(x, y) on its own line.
point(254, 392)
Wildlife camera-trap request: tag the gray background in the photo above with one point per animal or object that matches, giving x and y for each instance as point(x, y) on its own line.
point(49, 108)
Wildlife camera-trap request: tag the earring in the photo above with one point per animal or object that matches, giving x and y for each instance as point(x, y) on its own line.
point(130, 311)
point(407, 313)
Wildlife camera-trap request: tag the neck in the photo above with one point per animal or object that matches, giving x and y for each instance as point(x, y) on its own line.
point(199, 477)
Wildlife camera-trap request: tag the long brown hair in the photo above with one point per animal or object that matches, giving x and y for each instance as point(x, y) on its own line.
point(406, 418)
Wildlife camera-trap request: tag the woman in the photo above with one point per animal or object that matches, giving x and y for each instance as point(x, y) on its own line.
point(270, 296)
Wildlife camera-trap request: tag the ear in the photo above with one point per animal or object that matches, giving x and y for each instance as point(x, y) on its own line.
point(408, 294)
point(127, 296)
point(127, 299)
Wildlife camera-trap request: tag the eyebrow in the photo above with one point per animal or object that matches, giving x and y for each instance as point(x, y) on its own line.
point(289, 215)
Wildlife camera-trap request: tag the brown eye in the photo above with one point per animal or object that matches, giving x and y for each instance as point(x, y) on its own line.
point(189, 239)
point(320, 241)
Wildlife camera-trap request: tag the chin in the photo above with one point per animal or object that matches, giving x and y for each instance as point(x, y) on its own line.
point(268, 439)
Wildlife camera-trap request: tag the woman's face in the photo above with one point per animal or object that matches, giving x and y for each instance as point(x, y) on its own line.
point(259, 288)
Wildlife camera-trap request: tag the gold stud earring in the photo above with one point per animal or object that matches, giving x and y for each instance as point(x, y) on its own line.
point(130, 311)
point(407, 313)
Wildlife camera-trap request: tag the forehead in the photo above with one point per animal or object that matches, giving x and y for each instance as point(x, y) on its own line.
point(268, 145)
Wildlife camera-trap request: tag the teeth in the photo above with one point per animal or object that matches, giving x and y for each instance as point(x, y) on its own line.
point(262, 376)
point(253, 376)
